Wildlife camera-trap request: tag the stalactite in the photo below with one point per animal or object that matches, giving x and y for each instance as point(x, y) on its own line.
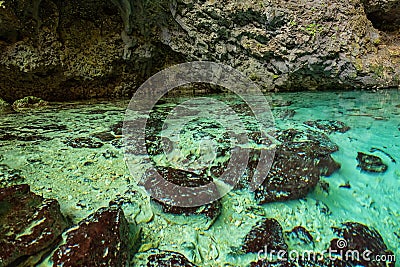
point(125, 9)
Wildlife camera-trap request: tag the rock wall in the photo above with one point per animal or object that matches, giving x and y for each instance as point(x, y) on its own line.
point(63, 50)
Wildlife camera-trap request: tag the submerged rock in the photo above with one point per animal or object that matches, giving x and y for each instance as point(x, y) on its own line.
point(290, 177)
point(117, 128)
point(168, 259)
point(29, 102)
point(358, 237)
point(266, 235)
point(30, 225)
point(104, 136)
point(370, 163)
point(83, 142)
point(328, 126)
point(102, 239)
point(299, 161)
point(186, 179)
point(301, 234)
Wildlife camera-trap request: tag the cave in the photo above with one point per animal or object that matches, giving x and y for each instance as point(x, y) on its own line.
point(384, 16)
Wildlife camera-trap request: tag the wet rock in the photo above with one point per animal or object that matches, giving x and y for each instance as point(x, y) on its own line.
point(9, 176)
point(314, 144)
point(83, 142)
point(267, 234)
point(290, 177)
point(29, 102)
point(346, 185)
point(328, 126)
point(327, 165)
point(102, 239)
point(186, 179)
point(284, 113)
point(168, 259)
point(104, 136)
point(358, 237)
point(117, 128)
point(370, 163)
point(30, 225)
point(302, 234)
point(300, 159)
point(21, 136)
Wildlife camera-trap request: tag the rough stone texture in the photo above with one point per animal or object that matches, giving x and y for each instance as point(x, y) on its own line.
point(299, 161)
point(360, 238)
point(83, 142)
point(30, 225)
point(28, 102)
point(168, 259)
point(370, 163)
point(102, 239)
point(186, 179)
point(286, 44)
point(267, 234)
point(328, 126)
point(60, 50)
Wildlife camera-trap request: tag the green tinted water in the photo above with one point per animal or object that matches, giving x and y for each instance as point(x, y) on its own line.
point(35, 145)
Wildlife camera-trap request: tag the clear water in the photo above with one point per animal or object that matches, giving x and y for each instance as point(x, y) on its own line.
point(84, 179)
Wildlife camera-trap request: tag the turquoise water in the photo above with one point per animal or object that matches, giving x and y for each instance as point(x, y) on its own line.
point(37, 146)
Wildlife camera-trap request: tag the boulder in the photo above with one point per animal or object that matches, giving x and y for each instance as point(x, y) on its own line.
point(102, 239)
point(265, 236)
point(30, 225)
point(300, 159)
point(367, 242)
point(185, 179)
point(29, 102)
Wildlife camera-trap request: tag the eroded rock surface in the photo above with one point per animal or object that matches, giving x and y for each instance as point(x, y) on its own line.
point(299, 161)
point(99, 48)
point(358, 237)
point(266, 235)
point(370, 163)
point(168, 259)
point(30, 225)
point(102, 239)
point(328, 126)
point(185, 179)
